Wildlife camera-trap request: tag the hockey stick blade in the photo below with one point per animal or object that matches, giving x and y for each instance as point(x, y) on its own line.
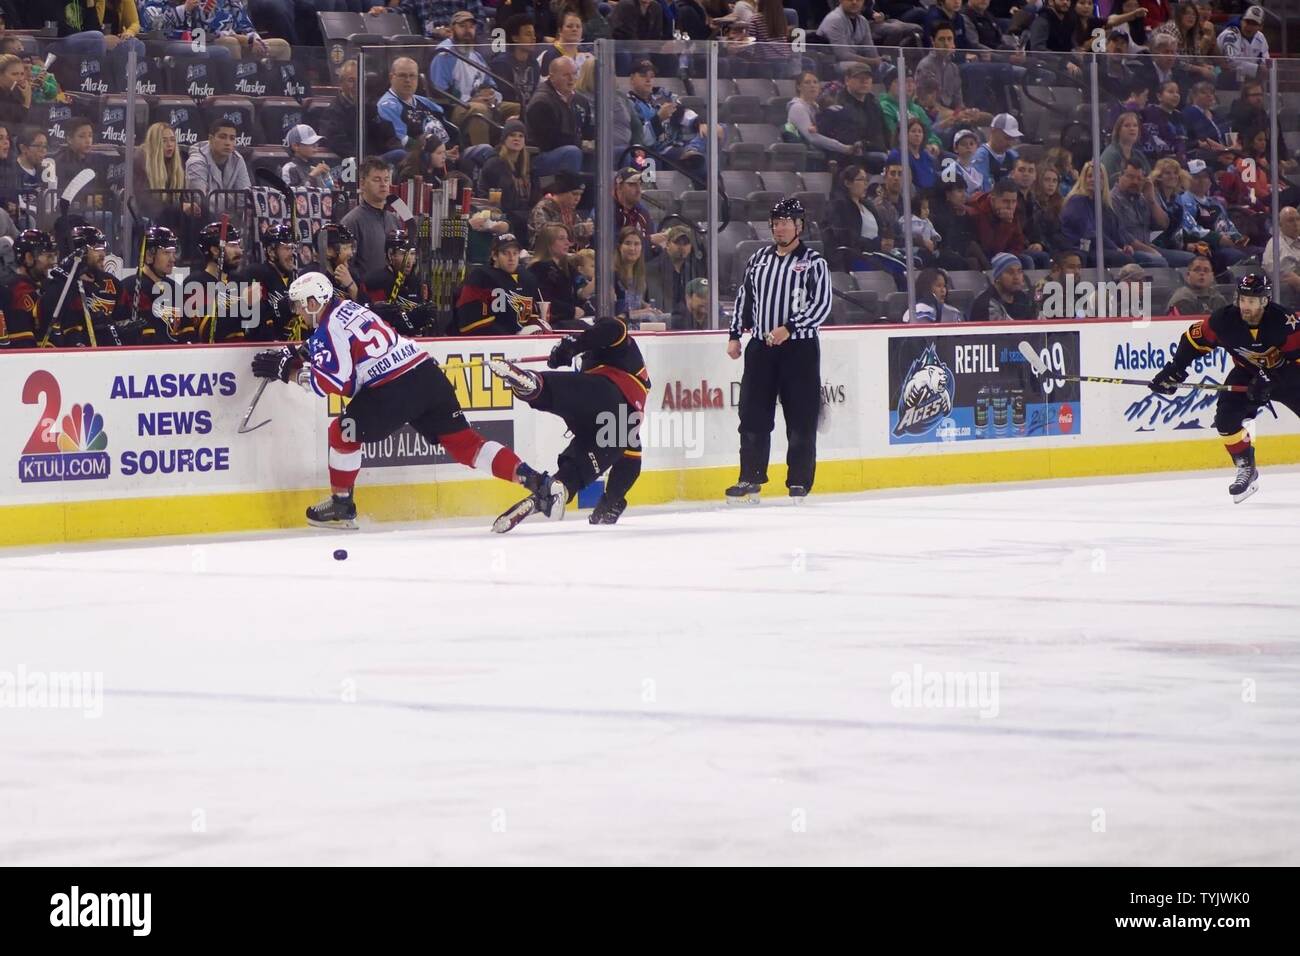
point(401, 210)
point(268, 178)
point(1034, 360)
point(78, 183)
point(244, 429)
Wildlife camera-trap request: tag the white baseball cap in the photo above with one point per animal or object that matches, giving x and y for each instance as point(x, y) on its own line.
point(1008, 124)
point(1196, 166)
point(1254, 15)
point(301, 135)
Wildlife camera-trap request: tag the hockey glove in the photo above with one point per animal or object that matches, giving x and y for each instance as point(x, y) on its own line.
point(276, 363)
point(1167, 379)
point(563, 352)
point(1259, 389)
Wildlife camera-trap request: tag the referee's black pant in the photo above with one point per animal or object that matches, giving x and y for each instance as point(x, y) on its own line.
point(792, 372)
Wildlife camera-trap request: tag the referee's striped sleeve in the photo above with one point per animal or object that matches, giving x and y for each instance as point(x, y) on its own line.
point(817, 288)
point(740, 318)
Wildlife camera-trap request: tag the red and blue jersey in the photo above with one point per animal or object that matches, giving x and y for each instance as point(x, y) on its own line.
point(353, 348)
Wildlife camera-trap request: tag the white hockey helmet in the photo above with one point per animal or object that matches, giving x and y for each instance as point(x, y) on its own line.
point(308, 287)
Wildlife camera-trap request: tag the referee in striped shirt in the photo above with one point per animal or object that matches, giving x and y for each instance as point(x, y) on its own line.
point(783, 299)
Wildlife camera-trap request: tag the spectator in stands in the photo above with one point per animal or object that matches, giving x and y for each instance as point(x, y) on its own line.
point(517, 64)
point(429, 158)
point(852, 228)
point(996, 225)
point(944, 12)
point(9, 178)
point(925, 238)
point(434, 16)
point(1135, 101)
point(1289, 254)
point(1053, 31)
point(1197, 295)
point(696, 318)
point(888, 202)
point(632, 302)
point(1246, 46)
point(560, 207)
point(1065, 264)
point(1162, 66)
point(303, 144)
point(953, 219)
point(370, 222)
point(1188, 31)
point(225, 22)
point(965, 143)
point(75, 155)
point(938, 68)
point(215, 166)
point(1116, 75)
point(846, 28)
point(630, 211)
point(15, 89)
point(889, 107)
point(338, 124)
point(406, 111)
point(924, 169)
point(854, 115)
point(540, 11)
point(567, 43)
point(1168, 135)
point(1141, 211)
point(669, 274)
point(1045, 202)
point(508, 173)
point(983, 32)
point(1062, 161)
point(1025, 174)
point(1206, 220)
point(637, 20)
point(1205, 135)
point(1006, 298)
point(1124, 146)
point(692, 19)
point(652, 106)
point(996, 158)
point(801, 117)
point(159, 177)
point(33, 144)
point(1248, 182)
point(583, 266)
point(551, 270)
point(1248, 113)
point(1079, 222)
point(932, 299)
point(477, 103)
point(554, 125)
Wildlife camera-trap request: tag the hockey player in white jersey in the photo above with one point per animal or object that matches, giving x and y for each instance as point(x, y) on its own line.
point(389, 381)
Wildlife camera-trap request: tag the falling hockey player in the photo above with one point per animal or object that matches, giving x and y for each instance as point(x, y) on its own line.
point(390, 382)
point(602, 406)
point(1264, 341)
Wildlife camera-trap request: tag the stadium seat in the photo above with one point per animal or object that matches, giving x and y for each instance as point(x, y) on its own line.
point(249, 79)
point(266, 157)
point(881, 283)
point(727, 242)
point(149, 78)
point(239, 110)
point(109, 164)
point(742, 109)
point(745, 156)
point(792, 157)
point(740, 183)
point(183, 115)
point(671, 84)
point(285, 79)
point(843, 282)
point(662, 202)
point(960, 299)
point(814, 204)
point(776, 109)
point(817, 182)
point(276, 116)
point(786, 88)
point(867, 301)
point(695, 205)
point(761, 88)
point(845, 312)
point(969, 281)
point(762, 229)
point(112, 120)
point(760, 133)
point(782, 181)
point(53, 118)
point(671, 181)
point(195, 77)
point(895, 306)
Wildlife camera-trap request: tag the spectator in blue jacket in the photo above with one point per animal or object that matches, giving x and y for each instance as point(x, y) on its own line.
point(407, 112)
point(433, 16)
point(469, 83)
point(227, 25)
point(995, 159)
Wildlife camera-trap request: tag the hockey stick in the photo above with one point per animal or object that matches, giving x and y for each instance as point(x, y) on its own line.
point(1041, 371)
point(63, 297)
point(257, 397)
point(221, 272)
point(270, 179)
point(139, 276)
point(74, 188)
point(478, 363)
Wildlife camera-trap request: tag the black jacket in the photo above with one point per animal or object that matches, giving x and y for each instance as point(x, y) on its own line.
point(551, 122)
point(842, 228)
point(851, 121)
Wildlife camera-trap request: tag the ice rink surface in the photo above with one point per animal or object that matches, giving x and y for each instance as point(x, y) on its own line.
point(708, 686)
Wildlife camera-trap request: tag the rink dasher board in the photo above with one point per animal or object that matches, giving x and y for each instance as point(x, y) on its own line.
point(133, 442)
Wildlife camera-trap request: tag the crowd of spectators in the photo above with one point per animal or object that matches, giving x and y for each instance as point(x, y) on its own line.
point(1184, 183)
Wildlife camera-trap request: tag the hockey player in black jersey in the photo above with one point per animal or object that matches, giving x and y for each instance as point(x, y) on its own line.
point(86, 317)
point(601, 404)
point(20, 296)
point(498, 298)
point(1263, 340)
point(405, 307)
point(337, 246)
point(151, 311)
point(211, 293)
point(277, 321)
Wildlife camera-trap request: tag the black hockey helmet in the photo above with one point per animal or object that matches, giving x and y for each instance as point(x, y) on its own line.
point(332, 235)
point(787, 209)
point(278, 233)
point(87, 237)
point(210, 235)
point(34, 241)
point(398, 241)
point(159, 237)
point(1255, 284)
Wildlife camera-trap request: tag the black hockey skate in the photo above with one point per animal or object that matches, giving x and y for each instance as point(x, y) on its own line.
point(1247, 481)
point(743, 492)
point(798, 493)
point(334, 512)
point(607, 511)
point(522, 382)
point(548, 498)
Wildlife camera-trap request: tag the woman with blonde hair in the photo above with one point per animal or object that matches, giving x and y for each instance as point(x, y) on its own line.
point(15, 89)
point(1079, 223)
point(550, 269)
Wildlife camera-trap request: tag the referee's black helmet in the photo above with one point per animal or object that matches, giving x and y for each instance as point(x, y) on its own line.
point(787, 209)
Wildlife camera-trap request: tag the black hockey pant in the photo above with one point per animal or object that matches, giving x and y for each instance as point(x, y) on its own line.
point(792, 372)
point(606, 431)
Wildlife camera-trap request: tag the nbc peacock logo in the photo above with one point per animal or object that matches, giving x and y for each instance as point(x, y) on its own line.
point(67, 448)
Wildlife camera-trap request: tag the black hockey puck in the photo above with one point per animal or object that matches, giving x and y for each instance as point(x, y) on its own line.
point(340, 555)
